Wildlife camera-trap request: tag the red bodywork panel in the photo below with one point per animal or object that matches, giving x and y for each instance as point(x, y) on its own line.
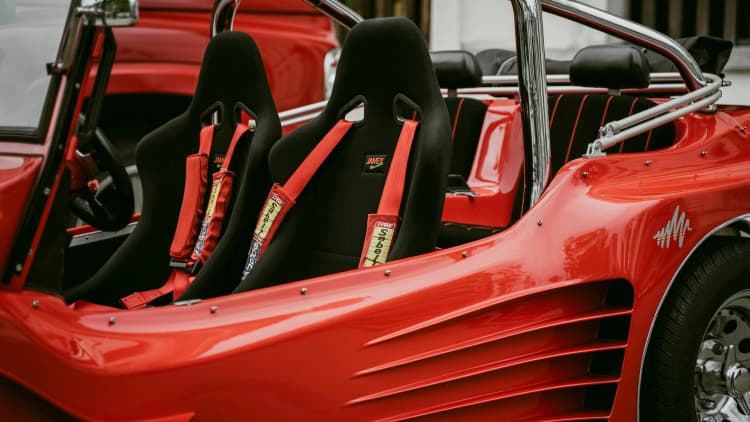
point(18, 175)
point(163, 53)
point(509, 325)
point(496, 172)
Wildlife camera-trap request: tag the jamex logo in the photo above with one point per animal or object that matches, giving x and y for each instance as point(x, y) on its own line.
point(674, 231)
point(374, 163)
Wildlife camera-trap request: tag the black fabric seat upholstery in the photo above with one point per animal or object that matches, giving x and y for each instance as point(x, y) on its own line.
point(454, 70)
point(384, 64)
point(575, 120)
point(467, 118)
point(232, 72)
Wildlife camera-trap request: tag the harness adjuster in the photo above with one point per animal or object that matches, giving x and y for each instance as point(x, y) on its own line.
point(189, 267)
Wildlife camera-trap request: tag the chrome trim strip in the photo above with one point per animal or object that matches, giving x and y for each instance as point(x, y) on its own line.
point(337, 11)
point(630, 31)
point(306, 109)
point(510, 91)
point(533, 94)
point(666, 291)
point(308, 112)
point(97, 236)
point(299, 119)
point(656, 78)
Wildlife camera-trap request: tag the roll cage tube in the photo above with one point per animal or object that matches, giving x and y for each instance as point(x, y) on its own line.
point(222, 16)
point(631, 31)
point(532, 84)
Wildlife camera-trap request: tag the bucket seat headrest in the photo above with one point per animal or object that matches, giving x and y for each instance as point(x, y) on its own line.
point(457, 69)
point(374, 60)
point(610, 66)
point(232, 72)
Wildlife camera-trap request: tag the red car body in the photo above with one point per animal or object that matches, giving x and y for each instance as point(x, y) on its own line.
point(163, 52)
point(548, 320)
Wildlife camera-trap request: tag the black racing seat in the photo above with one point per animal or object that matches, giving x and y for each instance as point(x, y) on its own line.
point(231, 73)
point(460, 69)
point(384, 65)
point(575, 119)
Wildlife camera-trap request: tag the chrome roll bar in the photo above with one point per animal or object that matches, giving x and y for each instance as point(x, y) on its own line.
point(619, 130)
point(532, 82)
point(222, 16)
point(656, 77)
point(337, 11)
point(631, 31)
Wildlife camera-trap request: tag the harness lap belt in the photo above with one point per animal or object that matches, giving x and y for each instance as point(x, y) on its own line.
point(198, 227)
point(281, 199)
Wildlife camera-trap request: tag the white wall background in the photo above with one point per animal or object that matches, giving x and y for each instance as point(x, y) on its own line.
point(475, 25)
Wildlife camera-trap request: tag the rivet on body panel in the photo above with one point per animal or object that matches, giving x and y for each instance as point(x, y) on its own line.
point(585, 174)
point(704, 153)
point(214, 309)
point(35, 304)
point(387, 273)
point(648, 163)
point(464, 254)
point(303, 291)
point(539, 222)
point(112, 320)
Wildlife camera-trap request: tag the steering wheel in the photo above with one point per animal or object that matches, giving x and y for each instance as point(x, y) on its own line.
point(112, 208)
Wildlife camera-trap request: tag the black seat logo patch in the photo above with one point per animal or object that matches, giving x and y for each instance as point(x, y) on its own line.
point(375, 163)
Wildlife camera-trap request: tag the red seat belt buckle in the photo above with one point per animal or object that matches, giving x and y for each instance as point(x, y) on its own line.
point(189, 267)
point(138, 300)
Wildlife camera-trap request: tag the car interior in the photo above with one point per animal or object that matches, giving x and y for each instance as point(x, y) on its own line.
point(458, 184)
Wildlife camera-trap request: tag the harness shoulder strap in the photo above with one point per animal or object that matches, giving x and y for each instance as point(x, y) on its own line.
point(382, 227)
point(199, 228)
point(193, 197)
point(282, 198)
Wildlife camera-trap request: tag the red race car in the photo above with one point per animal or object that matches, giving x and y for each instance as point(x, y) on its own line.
point(430, 243)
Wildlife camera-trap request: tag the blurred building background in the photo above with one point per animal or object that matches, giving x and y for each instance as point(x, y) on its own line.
point(475, 25)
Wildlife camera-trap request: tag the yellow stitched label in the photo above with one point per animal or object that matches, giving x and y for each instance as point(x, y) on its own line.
point(380, 244)
point(212, 199)
point(271, 210)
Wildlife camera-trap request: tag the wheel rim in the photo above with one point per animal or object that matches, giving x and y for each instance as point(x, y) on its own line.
point(722, 378)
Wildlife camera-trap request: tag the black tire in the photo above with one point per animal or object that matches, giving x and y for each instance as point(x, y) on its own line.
point(717, 271)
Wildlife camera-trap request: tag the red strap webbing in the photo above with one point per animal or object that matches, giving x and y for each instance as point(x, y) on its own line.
point(218, 201)
point(176, 284)
point(196, 236)
point(282, 198)
point(383, 226)
point(193, 198)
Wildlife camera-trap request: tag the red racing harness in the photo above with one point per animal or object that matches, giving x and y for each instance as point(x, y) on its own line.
point(381, 227)
point(199, 225)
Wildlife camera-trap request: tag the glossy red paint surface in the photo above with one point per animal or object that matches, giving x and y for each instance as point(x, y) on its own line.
point(162, 54)
point(525, 324)
point(17, 177)
point(496, 172)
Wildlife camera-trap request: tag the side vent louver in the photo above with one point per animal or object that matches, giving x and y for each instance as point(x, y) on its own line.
point(493, 360)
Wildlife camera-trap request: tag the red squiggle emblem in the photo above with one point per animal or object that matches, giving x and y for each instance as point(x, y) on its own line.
point(674, 231)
